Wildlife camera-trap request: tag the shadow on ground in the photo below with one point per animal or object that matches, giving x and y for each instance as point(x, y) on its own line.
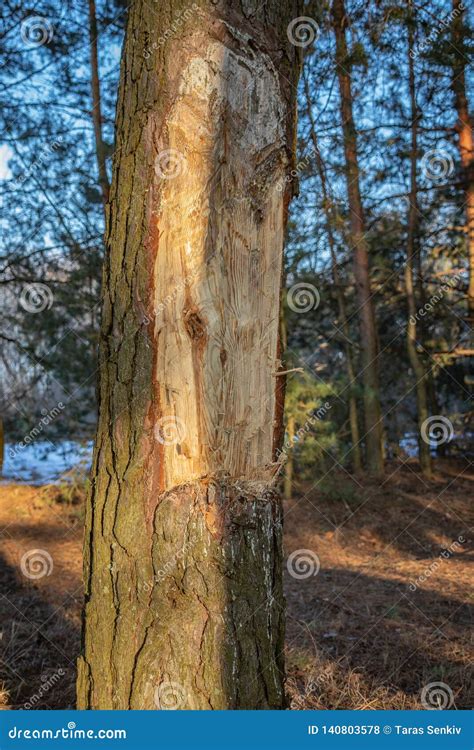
point(380, 616)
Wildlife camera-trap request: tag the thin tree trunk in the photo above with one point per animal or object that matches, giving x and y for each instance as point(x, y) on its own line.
point(465, 139)
point(328, 208)
point(96, 105)
point(368, 333)
point(288, 477)
point(412, 243)
point(184, 602)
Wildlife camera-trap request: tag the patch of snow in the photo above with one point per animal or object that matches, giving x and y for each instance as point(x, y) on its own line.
point(409, 443)
point(44, 462)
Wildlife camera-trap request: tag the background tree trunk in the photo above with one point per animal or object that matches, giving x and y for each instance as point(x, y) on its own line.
point(419, 370)
point(465, 138)
point(288, 476)
point(184, 603)
point(356, 456)
point(368, 333)
point(96, 105)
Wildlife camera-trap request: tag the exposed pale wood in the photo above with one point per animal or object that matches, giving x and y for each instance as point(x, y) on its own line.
point(218, 335)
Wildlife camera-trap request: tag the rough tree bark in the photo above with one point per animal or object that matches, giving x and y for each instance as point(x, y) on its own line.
point(465, 138)
point(419, 369)
point(368, 332)
point(184, 604)
point(356, 456)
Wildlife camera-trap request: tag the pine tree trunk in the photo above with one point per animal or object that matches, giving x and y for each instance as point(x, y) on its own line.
point(420, 372)
point(184, 603)
point(368, 332)
point(465, 138)
point(96, 105)
point(341, 303)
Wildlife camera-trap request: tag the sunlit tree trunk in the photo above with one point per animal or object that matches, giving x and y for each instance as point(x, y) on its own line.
point(419, 369)
point(465, 138)
point(341, 303)
point(184, 603)
point(368, 333)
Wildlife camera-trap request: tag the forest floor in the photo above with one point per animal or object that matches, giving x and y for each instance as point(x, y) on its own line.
point(363, 630)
